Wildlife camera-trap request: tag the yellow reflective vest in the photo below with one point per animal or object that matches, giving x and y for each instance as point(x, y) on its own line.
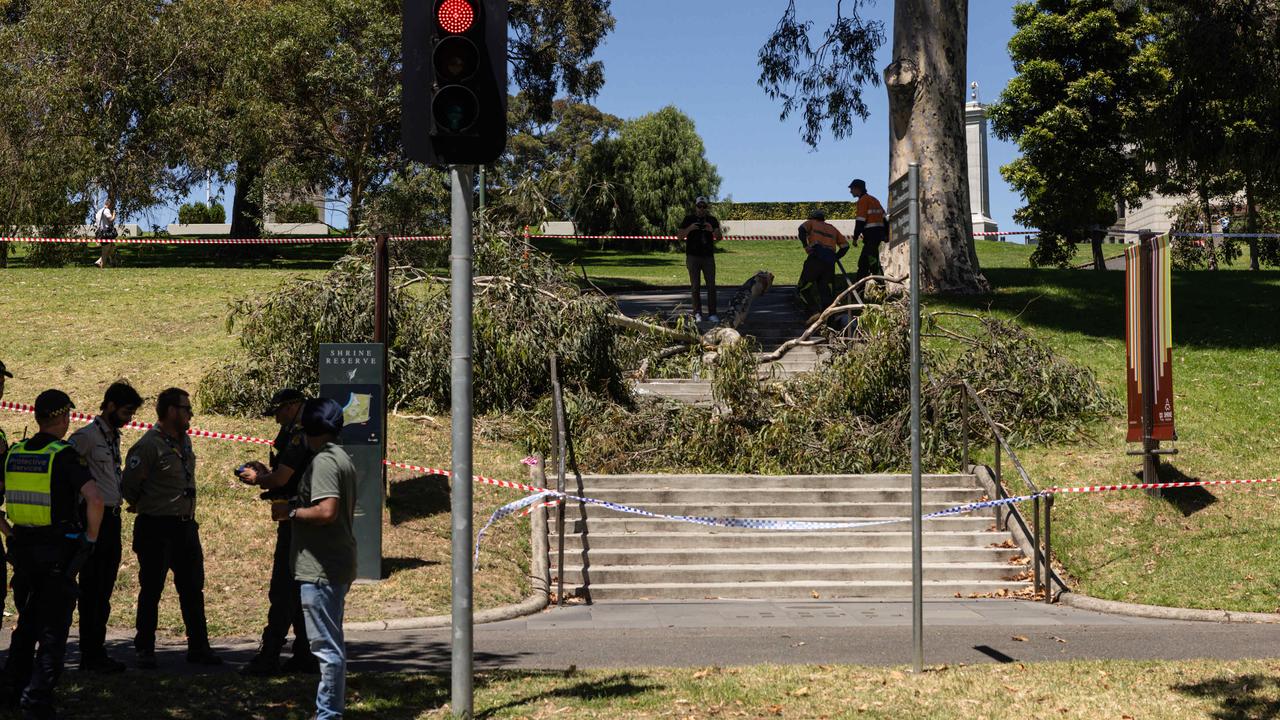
point(28, 484)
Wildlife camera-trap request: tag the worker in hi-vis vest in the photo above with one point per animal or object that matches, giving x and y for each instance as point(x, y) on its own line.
point(45, 480)
point(870, 225)
point(824, 245)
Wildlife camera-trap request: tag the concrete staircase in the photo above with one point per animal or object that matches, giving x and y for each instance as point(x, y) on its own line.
point(616, 556)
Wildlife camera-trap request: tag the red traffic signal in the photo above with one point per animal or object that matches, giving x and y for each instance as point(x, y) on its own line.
point(456, 16)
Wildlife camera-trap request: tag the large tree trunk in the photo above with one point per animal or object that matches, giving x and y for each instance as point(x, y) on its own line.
point(926, 83)
point(1095, 241)
point(1211, 243)
point(246, 206)
point(1251, 221)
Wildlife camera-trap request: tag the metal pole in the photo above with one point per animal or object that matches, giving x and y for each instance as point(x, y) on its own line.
point(482, 194)
point(1150, 461)
point(1004, 515)
point(1035, 542)
point(964, 429)
point(917, 524)
point(381, 326)
point(1048, 548)
point(460, 295)
point(561, 445)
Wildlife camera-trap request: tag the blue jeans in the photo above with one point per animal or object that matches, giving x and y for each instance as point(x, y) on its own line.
point(322, 607)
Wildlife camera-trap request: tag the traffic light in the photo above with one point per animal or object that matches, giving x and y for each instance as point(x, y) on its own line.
point(454, 81)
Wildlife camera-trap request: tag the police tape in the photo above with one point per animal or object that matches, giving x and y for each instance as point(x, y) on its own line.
point(217, 241)
point(1155, 486)
point(136, 425)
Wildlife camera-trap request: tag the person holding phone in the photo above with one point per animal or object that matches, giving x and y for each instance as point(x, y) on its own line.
point(700, 230)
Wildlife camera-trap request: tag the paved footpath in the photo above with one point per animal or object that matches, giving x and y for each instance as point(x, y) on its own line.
point(630, 634)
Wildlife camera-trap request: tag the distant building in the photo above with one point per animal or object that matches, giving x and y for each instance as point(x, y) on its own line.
point(975, 128)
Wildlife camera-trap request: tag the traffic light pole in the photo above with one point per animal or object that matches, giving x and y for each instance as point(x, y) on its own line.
point(460, 261)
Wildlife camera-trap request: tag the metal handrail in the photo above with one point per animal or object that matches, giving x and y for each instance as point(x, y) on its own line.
point(1043, 573)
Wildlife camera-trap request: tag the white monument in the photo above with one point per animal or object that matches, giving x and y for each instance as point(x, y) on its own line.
point(975, 121)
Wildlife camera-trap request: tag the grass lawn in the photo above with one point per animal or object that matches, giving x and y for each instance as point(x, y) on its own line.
point(1085, 690)
point(79, 329)
point(1211, 548)
point(736, 260)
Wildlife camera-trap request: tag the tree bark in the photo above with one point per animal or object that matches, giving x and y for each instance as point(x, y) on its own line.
point(246, 207)
point(1211, 243)
point(926, 83)
point(1251, 221)
point(1099, 258)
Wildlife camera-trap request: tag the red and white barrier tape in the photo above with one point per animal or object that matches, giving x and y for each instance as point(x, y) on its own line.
point(136, 425)
point(1154, 486)
point(218, 241)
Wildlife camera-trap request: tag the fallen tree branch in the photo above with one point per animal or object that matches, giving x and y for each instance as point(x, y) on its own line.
point(832, 309)
point(661, 330)
point(643, 372)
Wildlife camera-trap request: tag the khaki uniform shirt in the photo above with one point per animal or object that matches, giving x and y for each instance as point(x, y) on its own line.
point(99, 444)
point(160, 475)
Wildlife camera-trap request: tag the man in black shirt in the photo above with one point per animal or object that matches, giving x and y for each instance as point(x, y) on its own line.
point(44, 481)
point(700, 230)
point(289, 460)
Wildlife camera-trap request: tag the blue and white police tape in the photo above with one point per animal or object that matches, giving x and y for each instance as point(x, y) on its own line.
point(741, 523)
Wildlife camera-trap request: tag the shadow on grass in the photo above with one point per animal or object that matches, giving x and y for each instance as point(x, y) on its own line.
point(608, 688)
point(1222, 309)
point(1189, 500)
point(1244, 697)
point(277, 257)
point(393, 565)
point(418, 497)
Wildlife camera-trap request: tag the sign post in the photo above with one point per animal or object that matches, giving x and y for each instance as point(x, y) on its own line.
point(1149, 349)
point(904, 220)
point(353, 375)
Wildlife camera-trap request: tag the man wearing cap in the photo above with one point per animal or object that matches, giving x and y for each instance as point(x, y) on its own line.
point(870, 225)
point(44, 481)
point(99, 444)
point(159, 483)
point(824, 245)
point(289, 460)
point(323, 547)
point(700, 230)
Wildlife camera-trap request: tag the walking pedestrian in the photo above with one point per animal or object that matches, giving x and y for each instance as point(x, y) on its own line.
point(324, 547)
point(159, 483)
point(104, 229)
point(44, 480)
point(870, 226)
point(288, 462)
point(99, 445)
point(700, 230)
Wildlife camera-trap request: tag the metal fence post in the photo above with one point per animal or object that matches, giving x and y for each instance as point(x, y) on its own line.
point(1004, 516)
point(1048, 548)
point(1035, 541)
point(964, 429)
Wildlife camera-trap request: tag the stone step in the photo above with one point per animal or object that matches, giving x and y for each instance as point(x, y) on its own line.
point(615, 524)
point(748, 539)
point(729, 497)
point(774, 556)
point(746, 483)
point(793, 589)
point(781, 572)
point(823, 512)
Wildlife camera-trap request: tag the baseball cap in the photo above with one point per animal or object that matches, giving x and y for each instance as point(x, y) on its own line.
point(817, 214)
point(281, 398)
point(52, 403)
point(3, 371)
point(321, 416)
point(858, 183)
point(702, 200)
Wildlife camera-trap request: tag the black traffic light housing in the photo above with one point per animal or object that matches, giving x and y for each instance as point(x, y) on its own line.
point(454, 81)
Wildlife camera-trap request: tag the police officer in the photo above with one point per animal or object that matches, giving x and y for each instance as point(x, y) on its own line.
point(99, 444)
point(51, 540)
point(289, 461)
point(159, 483)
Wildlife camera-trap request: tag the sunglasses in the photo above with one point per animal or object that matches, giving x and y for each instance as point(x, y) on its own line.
point(702, 207)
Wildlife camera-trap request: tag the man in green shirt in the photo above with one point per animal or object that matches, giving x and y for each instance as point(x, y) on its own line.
point(323, 547)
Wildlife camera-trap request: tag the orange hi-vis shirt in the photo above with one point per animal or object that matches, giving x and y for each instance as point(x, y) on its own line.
point(870, 211)
point(824, 234)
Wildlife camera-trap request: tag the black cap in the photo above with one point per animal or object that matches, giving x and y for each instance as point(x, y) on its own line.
point(322, 416)
point(52, 403)
point(282, 398)
point(817, 214)
point(3, 371)
point(858, 183)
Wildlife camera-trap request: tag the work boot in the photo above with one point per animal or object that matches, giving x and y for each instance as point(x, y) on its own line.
point(146, 660)
point(302, 664)
point(203, 656)
point(264, 664)
point(104, 665)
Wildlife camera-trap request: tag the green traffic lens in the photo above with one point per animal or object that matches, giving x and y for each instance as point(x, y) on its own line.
point(455, 109)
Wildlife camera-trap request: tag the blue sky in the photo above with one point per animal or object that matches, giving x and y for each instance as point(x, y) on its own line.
point(701, 57)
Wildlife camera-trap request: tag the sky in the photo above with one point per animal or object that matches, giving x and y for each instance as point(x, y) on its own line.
point(701, 56)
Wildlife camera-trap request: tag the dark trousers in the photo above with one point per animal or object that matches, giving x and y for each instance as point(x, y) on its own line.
point(869, 259)
point(818, 272)
point(286, 602)
point(97, 581)
point(702, 267)
point(45, 596)
point(163, 544)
